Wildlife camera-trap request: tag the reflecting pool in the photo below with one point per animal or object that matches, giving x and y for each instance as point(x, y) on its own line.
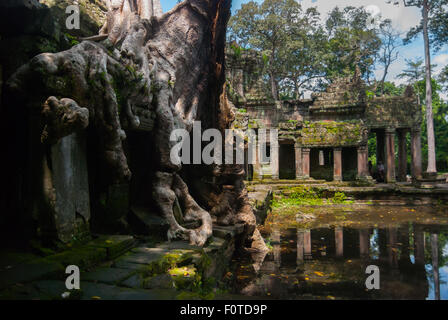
point(325, 255)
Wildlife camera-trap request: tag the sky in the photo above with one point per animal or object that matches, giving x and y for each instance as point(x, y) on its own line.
point(403, 18)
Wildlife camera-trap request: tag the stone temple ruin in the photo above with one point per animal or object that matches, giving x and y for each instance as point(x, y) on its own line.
point(326, 137)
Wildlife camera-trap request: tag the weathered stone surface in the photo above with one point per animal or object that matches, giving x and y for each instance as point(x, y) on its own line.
point(96, 291)
point(84, 257)
point(92, 15)
point(107, 275)
point(140, 258)
point(162, 281)
point(115, 245)
point(33, 270)
point(65, 172)
point(134, 281)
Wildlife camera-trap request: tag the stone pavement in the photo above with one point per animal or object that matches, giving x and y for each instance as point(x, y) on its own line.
point(117, 267)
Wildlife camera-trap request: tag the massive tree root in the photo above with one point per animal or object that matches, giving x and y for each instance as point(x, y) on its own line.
point(164, 71)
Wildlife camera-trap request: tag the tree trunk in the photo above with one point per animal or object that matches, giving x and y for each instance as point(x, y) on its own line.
point(429, 114)
point(166, 67)
point(274, 88)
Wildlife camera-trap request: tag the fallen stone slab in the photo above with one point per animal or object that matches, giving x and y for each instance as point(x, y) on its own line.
point(115, 245)
point(84, 257)
point(140, 258)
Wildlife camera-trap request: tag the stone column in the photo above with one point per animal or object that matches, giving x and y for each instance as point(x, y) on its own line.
point(392, 247)
point(419, 245)
point(337, 167)
point(299, 167)
point(402, 156)
point(300, 247)
point(306, 162)
point(307, 245)
point(258, 175)
point(274, 161)
point(339, 241)
point(390, 155)
point(363, 162)
point(416, 154)
point(435, 264)
point(276, 238)
point(364, 238)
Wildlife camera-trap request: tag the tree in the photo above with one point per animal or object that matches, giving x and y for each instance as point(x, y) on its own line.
point(443, 77)
point(170, 67)
point(351, 42)
point(391, 41)
point(440, 122)
point(305, 54)
point(279, 30)
point(433, 13)
point(414, 72)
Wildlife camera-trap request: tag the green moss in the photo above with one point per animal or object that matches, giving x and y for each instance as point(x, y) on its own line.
point(332, 133)
point(294, 197)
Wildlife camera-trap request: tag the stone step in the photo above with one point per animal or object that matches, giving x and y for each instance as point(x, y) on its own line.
point(115, 245)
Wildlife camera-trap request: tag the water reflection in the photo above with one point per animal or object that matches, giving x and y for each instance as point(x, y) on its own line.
point(330, 262)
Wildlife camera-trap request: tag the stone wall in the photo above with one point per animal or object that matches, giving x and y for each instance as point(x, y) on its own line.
point(393, 111)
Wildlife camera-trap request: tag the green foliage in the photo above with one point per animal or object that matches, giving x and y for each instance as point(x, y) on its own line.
point(299, 52)
point(305, 195)
point(440, 114)
point(339, 197)
point(71, 39)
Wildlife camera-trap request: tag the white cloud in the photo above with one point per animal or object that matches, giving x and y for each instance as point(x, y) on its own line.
point(403, 18)
point(441, 60)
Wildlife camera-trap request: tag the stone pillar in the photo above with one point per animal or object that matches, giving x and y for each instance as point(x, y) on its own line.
point(390, 155)
point(307, 245)
point(402, 156)
point(392, 247)
point(337, 167)
point(364, 243)
point(419, 245)
point(435, 264)
point(274, 161)
point(363, 162)
point(416, 154)
point(299, 166)
point(339, 241)
point(300, 247)
point(306, 162)
point(66, 188)
point(258, 175)
point(276, 238)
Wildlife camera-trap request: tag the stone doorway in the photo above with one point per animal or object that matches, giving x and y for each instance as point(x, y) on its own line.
point(287, 164)
point(349, 164)
point(321, 163)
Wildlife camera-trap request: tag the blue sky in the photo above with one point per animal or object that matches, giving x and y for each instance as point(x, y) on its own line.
point(403, 19)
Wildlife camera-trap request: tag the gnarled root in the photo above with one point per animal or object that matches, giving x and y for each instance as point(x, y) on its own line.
point(166, 187)
point(62, 117)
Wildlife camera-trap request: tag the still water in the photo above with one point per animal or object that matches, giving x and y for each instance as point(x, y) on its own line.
point(326, 257)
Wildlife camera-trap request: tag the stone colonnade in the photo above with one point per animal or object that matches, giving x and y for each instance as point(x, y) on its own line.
point(385, 154)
